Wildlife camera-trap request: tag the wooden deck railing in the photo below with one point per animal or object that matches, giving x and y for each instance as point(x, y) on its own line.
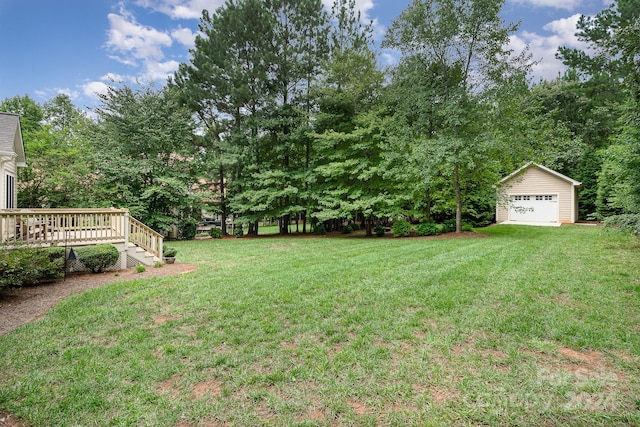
point(143, 236)
point(58, 227)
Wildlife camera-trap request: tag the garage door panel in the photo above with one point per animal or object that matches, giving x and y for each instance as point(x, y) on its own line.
point(534, 208)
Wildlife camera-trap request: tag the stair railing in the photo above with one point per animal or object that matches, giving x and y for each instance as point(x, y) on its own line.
point(145, 237)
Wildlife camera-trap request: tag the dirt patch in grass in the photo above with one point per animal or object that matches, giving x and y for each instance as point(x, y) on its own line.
point(24, 305)
point(360, 408)
point(7, 420)
point(591, 358)
point(160, 320)
point(170, 387)
point(443, 395)
point(207, 389)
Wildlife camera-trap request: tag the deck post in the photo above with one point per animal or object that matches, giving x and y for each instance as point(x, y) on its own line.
point(127, 229)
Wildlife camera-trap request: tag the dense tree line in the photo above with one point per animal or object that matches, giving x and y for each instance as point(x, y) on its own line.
point(283, 112)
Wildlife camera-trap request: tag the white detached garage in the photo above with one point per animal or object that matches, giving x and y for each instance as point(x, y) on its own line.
point(537, 195)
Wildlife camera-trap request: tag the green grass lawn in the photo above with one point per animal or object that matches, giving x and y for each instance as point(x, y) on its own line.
point(529, 326)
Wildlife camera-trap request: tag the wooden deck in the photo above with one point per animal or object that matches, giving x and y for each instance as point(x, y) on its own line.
point(75, 227)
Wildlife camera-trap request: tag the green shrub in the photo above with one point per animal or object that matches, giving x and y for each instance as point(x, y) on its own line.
point(99, 257)
point(347, 229)
point(140, 268)
point(467, 227)
point(30, 266)
point(215, 233)
point(319, 228)
point(187, 228)
point(401, 228)
point(169, 251)
point(427, 229)
point(629, 223)
point(449, 225)
point(238, 232)
point(379, 230)
point(355, 226)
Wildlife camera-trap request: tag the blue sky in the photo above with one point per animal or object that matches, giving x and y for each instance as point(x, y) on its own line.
point(77, 46)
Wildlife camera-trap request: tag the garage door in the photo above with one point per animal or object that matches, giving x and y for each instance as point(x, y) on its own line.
point(534, 208)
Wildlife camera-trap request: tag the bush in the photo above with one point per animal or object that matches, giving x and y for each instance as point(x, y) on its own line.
point(30, 266)
point(215, 233)
point(449, 225)
point(427, 229)
point(355, 226)
point(379, 230)
point(467, 227)
point(169, 251)
point(99, 257)
point(629, 223)
point(319, 228)
point(187, 228)
point(401, 228)
point(347, 229)
point(140, 268)
point(238, 232)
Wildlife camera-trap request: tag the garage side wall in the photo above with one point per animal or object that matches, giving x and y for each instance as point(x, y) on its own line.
point(536, 181)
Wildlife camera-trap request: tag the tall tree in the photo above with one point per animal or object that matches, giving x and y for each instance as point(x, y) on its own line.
point(298, 51)
point(226, 86)
point(249, 83)
point(348, 136)
point(58, 172)
point(454, 58)
point(613, 39)
point(144, 156)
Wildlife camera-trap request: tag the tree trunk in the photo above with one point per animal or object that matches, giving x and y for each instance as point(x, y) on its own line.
point(284, 224)
point(223, 202)
point(304, 222)
point(456, 184)
point(368, 226)
point(427, 200)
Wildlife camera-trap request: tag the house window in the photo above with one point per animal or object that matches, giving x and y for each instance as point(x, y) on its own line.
point(10, 192)
point(538, 197)
point(526, 197)
point(548, 197)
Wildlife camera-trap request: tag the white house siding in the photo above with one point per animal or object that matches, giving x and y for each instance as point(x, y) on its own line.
point(3, 178)
point(10, 170)
point(535, 181)
point(11, 154)
point(7, 168)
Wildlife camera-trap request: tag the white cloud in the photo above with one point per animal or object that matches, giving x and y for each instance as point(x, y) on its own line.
point(113, 77)
point(160, 70)
point(92, 89)
point(50, 93)
point(184, 36)
point(132, 42)
point(544, 47)
point(140, 46)
point(364, 7)
point(181, 9)
point(388, 57)
point(558, 4)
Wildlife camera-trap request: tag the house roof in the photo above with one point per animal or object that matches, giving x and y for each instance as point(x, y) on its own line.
point(11, 137)
point(543, 168)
